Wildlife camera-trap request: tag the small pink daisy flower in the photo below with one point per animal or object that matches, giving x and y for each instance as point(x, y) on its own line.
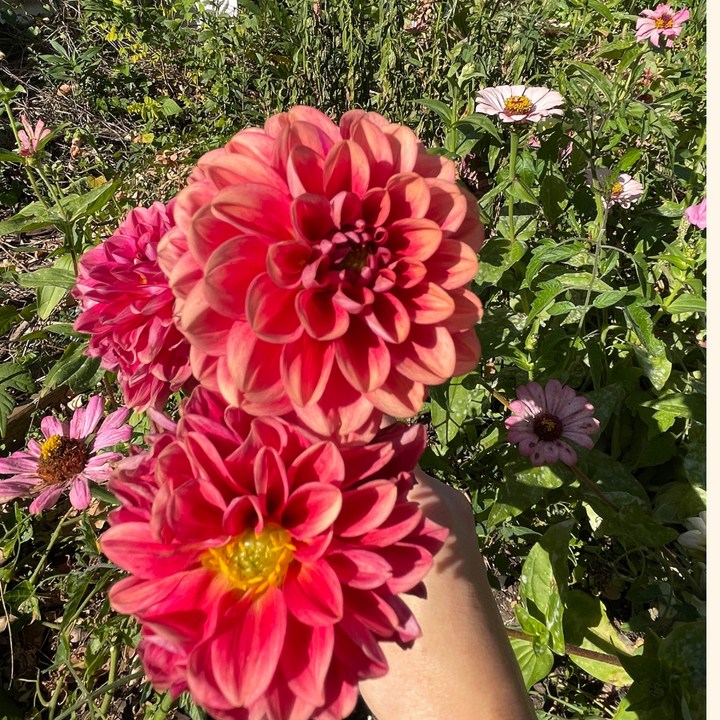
point(29, 138)
point(625, 190)
point(518, 103)
point(67, 458)
point(544, 418)
point(661, 21)
point(697, 214)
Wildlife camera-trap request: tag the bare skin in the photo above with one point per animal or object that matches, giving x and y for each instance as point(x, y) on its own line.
point(463, 666)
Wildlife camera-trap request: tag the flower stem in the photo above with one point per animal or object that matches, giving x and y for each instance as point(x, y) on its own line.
point(114, 655)
point(53, 540)
point(511, 200)
point(164, 707)
point(100, 691)
point(593, 487)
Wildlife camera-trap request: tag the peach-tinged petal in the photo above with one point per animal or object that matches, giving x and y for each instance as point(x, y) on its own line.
point(255, 209)
point(271, 482)
point(427, 356)
point(409, 196)
point(286, 261)
point(305, 367)
point(313, 593)
point(404, 146)
point(311, 509)
point(427, 303)
point(376, 147)
point(399, 397)
point(312, 216)
point(206, 328)
point(448, 205)
point(366, 508)
point(304, 171)
point(362, 357)
point(416, 238)
point(346, 168)
point(270, 311)
point(453, 265)
point(232, 169)
point(306, 659)
point(389, 319)
point(321, 317)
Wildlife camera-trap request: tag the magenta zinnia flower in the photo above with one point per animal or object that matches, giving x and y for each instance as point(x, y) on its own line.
point(128, 309)
point(625, 190)
point(30, 138)
point(661, 21)
point(68, 457)
point(325, 269)
point(518, 103)
point(697, 214)
point(544, 419)
point(266, 565)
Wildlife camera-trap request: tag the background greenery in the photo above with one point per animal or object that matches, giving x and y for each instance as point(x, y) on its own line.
point(604, 607)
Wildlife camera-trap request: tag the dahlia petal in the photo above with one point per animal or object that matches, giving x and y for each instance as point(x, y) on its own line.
point(311, 509)
point(417, 238)
point(285, 263)
point(399, 396)
point(468, 311)
point(312, 216)
point(377, 149)
point(206, 328)
point(306, 658)
point(188, 202)
point(271, 312)
point(453, 265)
point(361, 569)
point(448, 205)
point(233, 169)
point(467, 352)
point(191, 516)
point(366, 508)
point(313, 593)
point(255, 209)
point(401, 522)
point(313, 116)
point(243, 513)
point(388, 319)
point(408, 272)
point(281, 703)
point(253, 142)
point(346, 206)
point(346, 168)
point(321, 462)
point(271, 482)
point(427, 303)
point(203, 679)
point(362, 357)
point(434, 166)
point(254, 364)
point(404, 146)
point(409, 196)
point(320, 316)
point(370, 612)
point(230, 270)
point(79, 492)
point(427, 356)
point(341, 693)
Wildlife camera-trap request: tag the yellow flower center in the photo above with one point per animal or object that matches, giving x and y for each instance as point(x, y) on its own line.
point(664, 22)
point(253, 563)
point(616, 189)
point(518, 105)
point(61, 458)
point(547, 423)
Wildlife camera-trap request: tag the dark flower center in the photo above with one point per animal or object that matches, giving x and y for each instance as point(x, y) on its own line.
point(61, 458)
point(548, 427)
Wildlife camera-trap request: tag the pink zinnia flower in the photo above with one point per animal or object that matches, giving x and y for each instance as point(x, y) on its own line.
point(325, 269)
point(544, 419)
point(68, 457)
point(697, 214)
point(128, 310)
point(661, 21)
point(625, 190)
point(29, 138)
point(517, 103)
point(266, 565)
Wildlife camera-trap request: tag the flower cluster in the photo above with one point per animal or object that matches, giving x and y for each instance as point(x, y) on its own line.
point(127, 307)
point(266, 564)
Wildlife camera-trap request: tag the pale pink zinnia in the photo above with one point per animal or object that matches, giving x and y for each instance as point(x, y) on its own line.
point(266, 565)
point(518, 103)
point(325, 269)
point(128, 310)
point(662, 21)
point(68, 457)
point(697, 214)
point(544, 418)
point(30, 138)
point(625, 190)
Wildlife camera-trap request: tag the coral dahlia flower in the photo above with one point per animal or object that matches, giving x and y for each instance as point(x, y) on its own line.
point(662, 21)
point(624, 192)
point(544, 418)
point(127, 307)
point(68, 458)
point(30, 138)
point(697, 214)
point(265, 564)
point(518, 103)
point(324, 268)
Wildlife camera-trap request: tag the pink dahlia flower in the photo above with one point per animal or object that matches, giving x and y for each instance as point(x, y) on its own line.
point(544, 418)
point(30, 138)
point(324, 268)
point(127, 307)
point(662, 21)
point(265, 564)
point(697, 214)
point(68, 457)
point(625, 190)
point(517, 103)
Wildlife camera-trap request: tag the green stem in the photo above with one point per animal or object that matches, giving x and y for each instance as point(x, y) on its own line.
point(114, 655)
point(96, 693)
point(164, 707)
point(511, 174)
point(593, 487)
point(46, 555)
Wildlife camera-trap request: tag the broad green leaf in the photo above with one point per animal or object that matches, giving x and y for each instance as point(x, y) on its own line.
point(602, 10)
point(535, 663)
point(54, 276)
point(582, 281)
point(587, 626)
point(520, 191)
point(443, 110)
point(547, 254)
point(677, 501)
point(32, 217)
point(687, 303)
point(594, 76)
point(641, 324)
point(8, 318)
point(637, 527)
point(544, 578)
point(550, 290)
point(684, 651)
point(170, 107)
point(656, 367)
point(695, 465)
point(80, 206)
point(481, 122)
point(497, 255)
point(611, 297)
point(64, 329)
point(49, 296)
point(629, 159)
point(687, 405)
point(553, 197)
point(7, 156)
point(449, 406)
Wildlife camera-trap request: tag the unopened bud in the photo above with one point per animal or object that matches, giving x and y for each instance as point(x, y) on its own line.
point(75, 147)
point(64, 90)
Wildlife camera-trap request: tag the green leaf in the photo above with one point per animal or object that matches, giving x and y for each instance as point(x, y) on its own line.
point(550, 290)
point(602, 10)
point(54, 276)
point(169, 107)
point(544, 578)
point(684, 651)
point(676, 501)
point(687, 304)
point(687, 405)
point(553, 197)
point(657, 368)
point(481, 122)
point(611, 297)
point(80, 206)
point(593, 76)
point(64, 329)
point(498, 255)
point(629, 159)
point(695, 465)
point(587, 626)
point(637, 528)
point(606, 401)
point(582, 281)
point(8, 318)
point(7, 156)
point(49, 296)
point(520, 191)
point(443, 110)
point(547, 254)
point(535, 663)
point(450, 404)
point(32, 217)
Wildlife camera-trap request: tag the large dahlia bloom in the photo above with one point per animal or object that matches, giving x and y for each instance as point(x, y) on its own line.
point(545, 418)
point(266, 565)
point(324, 268)
point(128, 310)
point(662, 21)
point(68, 458)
